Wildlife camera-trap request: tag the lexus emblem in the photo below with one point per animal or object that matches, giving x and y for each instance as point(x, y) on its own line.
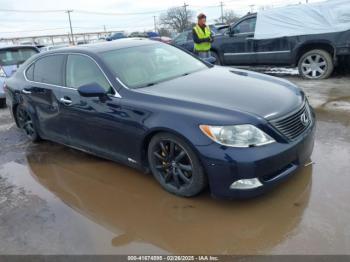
point(304, 119)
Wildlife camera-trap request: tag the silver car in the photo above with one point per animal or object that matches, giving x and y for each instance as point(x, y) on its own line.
point(11, 57)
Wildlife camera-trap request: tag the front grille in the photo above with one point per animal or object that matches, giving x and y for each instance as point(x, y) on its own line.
point(294, 124)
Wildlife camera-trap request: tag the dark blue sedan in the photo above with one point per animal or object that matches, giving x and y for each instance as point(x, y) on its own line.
point(116, 36)
point(154, 107)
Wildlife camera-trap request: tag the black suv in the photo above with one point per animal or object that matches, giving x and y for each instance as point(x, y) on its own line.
point(315, 55)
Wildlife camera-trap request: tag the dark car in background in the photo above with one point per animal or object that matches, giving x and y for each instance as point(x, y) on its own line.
point(116, 36)
point(11, 57)
point(151, 35)
point(155, 107)
point(315, 55)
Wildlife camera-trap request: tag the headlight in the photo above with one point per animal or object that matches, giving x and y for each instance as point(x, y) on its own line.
point(237, 135)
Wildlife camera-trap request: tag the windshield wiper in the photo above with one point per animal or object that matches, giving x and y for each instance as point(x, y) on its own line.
point(155, 83)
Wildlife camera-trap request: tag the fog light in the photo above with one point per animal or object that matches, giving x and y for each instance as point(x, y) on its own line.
point(246, 184)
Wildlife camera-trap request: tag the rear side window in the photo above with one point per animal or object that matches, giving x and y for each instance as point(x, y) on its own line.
point(16, 56)
point(49, 70)
point(30, 73)
point(82, 70)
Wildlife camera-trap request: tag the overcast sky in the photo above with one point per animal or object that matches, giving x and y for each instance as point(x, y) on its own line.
point(14, 24)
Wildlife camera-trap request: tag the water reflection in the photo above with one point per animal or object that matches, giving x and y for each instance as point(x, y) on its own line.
point(122, 199)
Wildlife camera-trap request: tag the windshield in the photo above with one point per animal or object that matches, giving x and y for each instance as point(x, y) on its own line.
point(15, 56)
point(150, 64)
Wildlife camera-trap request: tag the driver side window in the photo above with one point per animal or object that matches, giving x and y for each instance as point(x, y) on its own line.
point(245, 27)
point(81, 70)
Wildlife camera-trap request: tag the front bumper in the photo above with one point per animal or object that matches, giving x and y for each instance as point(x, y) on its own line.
point(271, 164)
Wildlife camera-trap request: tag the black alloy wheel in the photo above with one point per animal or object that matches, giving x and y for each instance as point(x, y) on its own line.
point(26, 123)
point(175, 166)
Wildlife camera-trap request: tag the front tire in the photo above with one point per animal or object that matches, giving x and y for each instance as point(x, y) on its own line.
point(316, 64)
point(175, 165)
point(26, 123)
point(214, 54)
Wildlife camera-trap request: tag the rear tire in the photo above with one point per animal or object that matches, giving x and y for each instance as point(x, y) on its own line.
point(175, 165)
point(316, 64)
point(26, 123)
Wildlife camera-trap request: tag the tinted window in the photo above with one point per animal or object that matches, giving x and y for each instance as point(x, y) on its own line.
point(16, 56)
point(82, 70)
point(49, 70)
point(246, 26)
point(30, 73)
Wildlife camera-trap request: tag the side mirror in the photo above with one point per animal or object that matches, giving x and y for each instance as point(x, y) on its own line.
point(92, 90)
point(231, 32)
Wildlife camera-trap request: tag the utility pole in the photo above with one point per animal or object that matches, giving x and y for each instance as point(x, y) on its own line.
point(155, 23)
point(70, 25)
point(104, 28)
point(186, 16)
point(251, 8)
point(222, 11)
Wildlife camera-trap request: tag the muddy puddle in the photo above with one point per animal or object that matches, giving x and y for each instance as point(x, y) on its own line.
point(133, 207)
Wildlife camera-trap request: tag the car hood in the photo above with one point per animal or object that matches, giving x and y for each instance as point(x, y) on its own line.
point(235, 89)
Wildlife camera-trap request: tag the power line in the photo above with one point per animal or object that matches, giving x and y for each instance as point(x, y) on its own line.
point(130, 13)
point(82, 12)
point(186, 16)
point(70, 25)
point(222, 11)
point(119, 14)
point(155, 23)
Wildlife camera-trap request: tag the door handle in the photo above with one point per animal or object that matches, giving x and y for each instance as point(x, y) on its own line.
point(24, 91)
point(66, 101)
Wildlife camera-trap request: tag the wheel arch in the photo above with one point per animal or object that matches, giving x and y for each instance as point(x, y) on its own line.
point(215, 50)
point(308, 46)
point(153, 132)
point(29, 108)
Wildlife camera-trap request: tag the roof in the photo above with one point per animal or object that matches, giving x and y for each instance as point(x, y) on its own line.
point(305, 19)
point(107, 46)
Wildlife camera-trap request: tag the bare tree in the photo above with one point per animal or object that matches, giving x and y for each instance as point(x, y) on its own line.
point(164, 31)
point(177, 18)
point(229, 17)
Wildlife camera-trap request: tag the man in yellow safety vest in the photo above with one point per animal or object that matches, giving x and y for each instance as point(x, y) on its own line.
point(202, 37)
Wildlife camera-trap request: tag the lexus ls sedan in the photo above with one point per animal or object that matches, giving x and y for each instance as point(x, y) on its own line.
point(157, 108)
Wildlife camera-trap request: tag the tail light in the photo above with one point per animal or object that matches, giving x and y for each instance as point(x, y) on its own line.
point(2, 72)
